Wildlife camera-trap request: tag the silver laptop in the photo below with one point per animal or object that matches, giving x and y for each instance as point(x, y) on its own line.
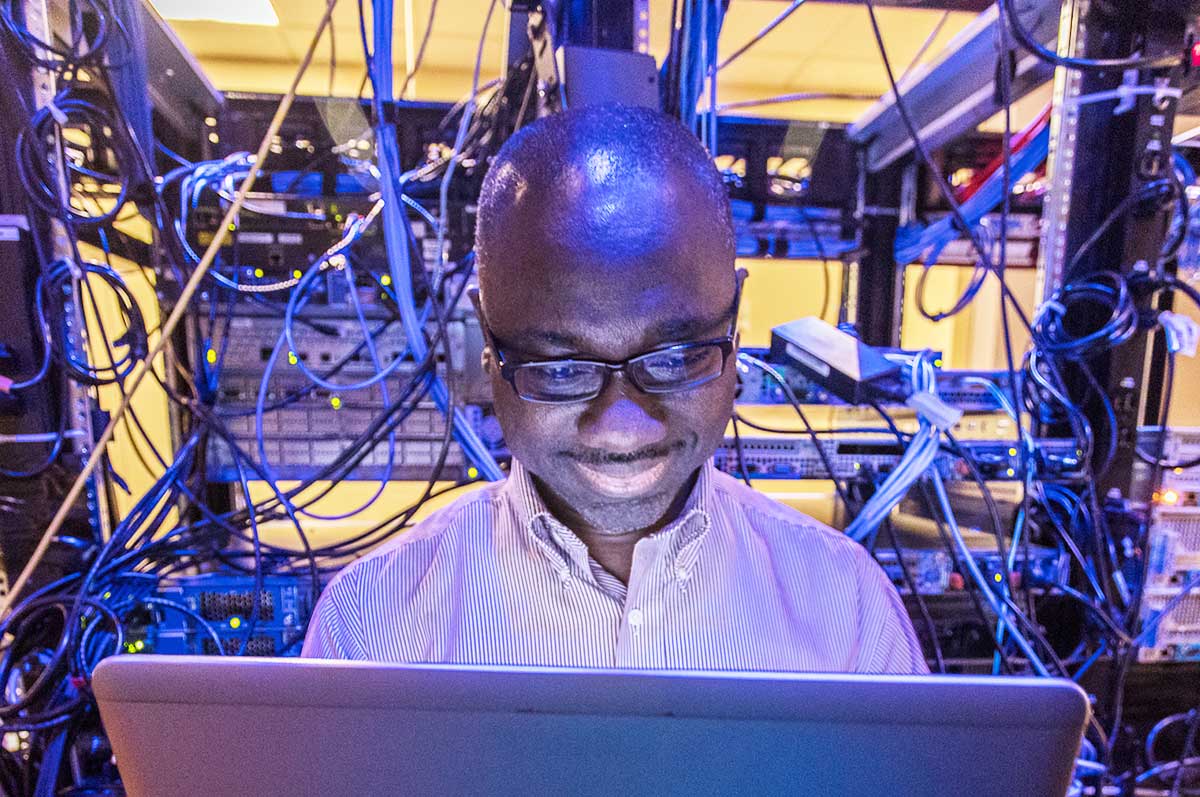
point(221, 727)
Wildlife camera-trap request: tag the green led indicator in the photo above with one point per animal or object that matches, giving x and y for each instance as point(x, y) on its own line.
point(385, 280)
point(235, 623)
point(472, 472)
point(336, 402)
point(292, 358)
point(258, 272)
point(296, 273)
point(211, 356)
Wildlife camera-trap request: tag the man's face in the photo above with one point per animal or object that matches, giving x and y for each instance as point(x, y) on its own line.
point(607, 270)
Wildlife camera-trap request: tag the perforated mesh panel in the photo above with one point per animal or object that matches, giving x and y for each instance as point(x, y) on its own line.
point(1186, 526)
point(258, 646)
point(1185, 615)
point(221, 606)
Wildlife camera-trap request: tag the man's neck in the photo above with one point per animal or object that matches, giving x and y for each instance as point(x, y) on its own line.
point(613, 550)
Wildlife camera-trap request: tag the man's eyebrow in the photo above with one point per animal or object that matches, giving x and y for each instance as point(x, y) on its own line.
point(682, 330)
point(673, 330)
point(526, 339)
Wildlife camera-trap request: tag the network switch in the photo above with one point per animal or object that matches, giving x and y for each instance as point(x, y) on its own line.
point(853, 456)
point(218, 616)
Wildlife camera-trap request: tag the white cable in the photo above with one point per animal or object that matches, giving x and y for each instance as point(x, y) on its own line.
point(919, 458)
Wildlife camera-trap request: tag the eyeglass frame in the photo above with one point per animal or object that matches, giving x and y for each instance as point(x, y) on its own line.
point(508, 367)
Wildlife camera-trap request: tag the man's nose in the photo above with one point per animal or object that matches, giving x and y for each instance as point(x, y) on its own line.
point(622, 419)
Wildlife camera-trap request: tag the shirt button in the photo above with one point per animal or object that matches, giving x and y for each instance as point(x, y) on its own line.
point(635, 617)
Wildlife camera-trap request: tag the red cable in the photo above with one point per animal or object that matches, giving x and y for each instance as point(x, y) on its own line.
point(1019, 141)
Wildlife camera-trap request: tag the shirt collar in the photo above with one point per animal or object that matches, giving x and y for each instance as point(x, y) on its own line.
point(682, 535)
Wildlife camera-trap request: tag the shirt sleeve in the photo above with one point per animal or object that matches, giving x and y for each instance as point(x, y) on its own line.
point(887, 642)
point(334, 631)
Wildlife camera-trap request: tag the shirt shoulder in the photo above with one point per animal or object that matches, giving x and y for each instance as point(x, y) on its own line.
point(777, 522)
point(840, 568)
point(471, 515)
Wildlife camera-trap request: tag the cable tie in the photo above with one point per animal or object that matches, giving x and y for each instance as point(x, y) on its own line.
point(1182, 333)
point(1055, 305)
point(60, 116)
point(1125, 94)
point(930, 407)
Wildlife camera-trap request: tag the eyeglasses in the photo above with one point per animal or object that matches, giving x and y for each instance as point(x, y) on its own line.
point(669, 369)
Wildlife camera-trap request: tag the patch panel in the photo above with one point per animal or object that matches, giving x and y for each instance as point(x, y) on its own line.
point(957, 388)
point(852, 456)
point(1176, 637)
point(306, 428)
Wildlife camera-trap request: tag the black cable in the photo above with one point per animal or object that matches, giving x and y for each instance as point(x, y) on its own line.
point(989, 501)
point(1163, 189)
point(1024, 465)
point(911, 582)
point(812, 435)
point(1157, 460)
point(1053, 334)
point(55, 285)
point(1189, 746)
point(938, 179)
point(48, 54)
point(420, 59)
point(741, 455)
point(1110, 415)
point(1027, 41)
point(792, 432)
point(41, 153)
point(972, 589)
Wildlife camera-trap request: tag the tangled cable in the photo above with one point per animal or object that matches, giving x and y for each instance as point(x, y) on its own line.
point(72, 120)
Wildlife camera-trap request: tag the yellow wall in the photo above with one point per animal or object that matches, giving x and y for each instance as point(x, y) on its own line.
point(1185, 402)
point(972, 339)
point(778, 291)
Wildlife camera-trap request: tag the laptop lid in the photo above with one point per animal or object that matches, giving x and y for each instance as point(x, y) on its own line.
point(219, 726)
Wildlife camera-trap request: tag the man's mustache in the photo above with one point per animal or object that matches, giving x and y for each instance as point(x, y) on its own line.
point(598, 457)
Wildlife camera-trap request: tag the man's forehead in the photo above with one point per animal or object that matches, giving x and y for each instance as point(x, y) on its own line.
point(592, 283)
point(613, 320)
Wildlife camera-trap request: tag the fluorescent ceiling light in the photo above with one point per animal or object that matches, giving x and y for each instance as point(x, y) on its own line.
point(233, 12)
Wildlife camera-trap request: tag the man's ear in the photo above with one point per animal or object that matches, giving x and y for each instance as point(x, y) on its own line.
point(740, 275)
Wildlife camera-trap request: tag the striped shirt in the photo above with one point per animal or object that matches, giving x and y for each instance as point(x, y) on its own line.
point(737, 582)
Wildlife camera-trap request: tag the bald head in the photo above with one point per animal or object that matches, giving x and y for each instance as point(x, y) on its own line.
point(604, 234)
point(610, 180)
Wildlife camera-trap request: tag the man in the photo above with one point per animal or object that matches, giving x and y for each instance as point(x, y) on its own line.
point(604, 241)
